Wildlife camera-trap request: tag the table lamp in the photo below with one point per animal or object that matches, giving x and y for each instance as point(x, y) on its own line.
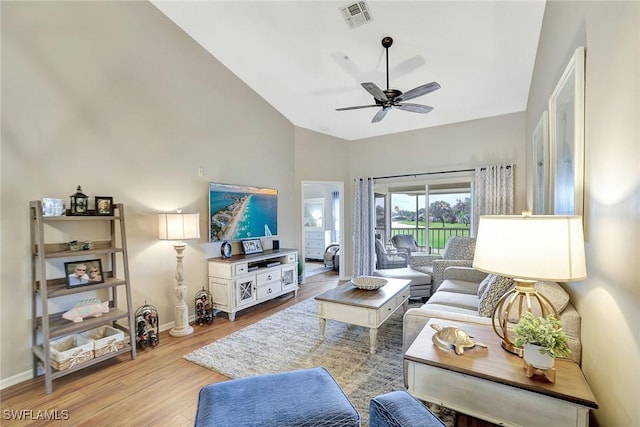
point(528, 249)
point(179, 226)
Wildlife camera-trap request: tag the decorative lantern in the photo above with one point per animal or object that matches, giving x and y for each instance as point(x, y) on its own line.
point(79, 203)
point(147, 326)
point(204, 310)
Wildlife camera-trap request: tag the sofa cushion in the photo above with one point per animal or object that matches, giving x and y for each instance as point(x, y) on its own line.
point(458, 286)
point(455, 299)
point(491, 296)
point(558, 297)
point(491, 278)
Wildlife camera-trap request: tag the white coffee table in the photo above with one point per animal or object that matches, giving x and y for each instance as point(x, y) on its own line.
point(370, 309)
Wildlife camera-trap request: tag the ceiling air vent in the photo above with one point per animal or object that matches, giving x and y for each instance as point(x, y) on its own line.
point(356, 14)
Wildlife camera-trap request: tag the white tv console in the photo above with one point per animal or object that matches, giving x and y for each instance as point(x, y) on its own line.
point(242, 281)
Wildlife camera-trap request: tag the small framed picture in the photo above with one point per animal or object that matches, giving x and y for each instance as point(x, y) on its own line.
point(83, 273)
point(252, 246)
point(104, 205)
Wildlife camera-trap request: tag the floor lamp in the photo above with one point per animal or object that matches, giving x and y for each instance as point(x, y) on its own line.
point(528, 249)
point(179, 226)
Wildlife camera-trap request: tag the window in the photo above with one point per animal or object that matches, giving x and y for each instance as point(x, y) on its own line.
point(447, 213)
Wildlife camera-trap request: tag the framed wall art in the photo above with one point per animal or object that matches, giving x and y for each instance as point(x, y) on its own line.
point(104, 205)
point(83, 273)
point(541, 165)
point(566, 139)
point(252, 246)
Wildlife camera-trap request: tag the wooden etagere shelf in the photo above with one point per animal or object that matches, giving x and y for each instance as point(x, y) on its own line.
point(49, 326)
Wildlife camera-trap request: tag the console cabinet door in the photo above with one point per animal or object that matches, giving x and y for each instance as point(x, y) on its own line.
point(245, 290)
point(289, 278)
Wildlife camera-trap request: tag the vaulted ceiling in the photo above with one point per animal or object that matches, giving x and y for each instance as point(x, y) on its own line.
point(304, 59)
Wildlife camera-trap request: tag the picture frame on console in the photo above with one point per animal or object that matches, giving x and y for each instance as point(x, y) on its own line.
point(566, 139)
point(83, 273)
point(251, 246)
point(104, 205)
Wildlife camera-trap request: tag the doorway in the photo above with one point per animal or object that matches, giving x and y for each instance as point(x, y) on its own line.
point(322, 226)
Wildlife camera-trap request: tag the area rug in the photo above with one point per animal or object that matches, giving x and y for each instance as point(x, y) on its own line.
point(290, 340)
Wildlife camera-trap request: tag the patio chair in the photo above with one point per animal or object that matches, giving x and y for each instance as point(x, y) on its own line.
point(386, 260)
point(458, 252)
point(406, 243)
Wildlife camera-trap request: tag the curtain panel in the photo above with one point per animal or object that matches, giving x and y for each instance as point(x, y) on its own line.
point(494, 191)
point(364, 227)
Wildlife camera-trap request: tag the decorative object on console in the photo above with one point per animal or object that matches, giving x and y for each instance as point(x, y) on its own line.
point(52, 207)
point(104, 205)
point(86, 308)
point(452, 337)
point(79, 203)
point(225, 249)
point(528, 249)
point(83, 273)
point(543, 340)
point(147, 321)
point(179, 226)
point(252, 246)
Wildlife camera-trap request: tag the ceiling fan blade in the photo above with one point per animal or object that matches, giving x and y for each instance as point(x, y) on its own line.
point(414, 108)
point(356, 108)
point(418, 91)
point(380, 115)
point(374, 90)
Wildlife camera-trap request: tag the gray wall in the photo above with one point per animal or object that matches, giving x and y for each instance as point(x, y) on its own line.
point(609, 299)
point(115, 97)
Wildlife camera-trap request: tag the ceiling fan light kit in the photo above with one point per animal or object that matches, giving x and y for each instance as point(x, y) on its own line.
point(393, 98)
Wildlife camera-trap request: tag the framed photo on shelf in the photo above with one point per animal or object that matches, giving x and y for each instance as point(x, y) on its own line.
point(251, 246)
point(104, 205)
point(541, 165)
point(83, 273)
point(566, 139)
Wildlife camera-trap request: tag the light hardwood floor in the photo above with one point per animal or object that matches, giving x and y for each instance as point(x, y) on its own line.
point(158, 388)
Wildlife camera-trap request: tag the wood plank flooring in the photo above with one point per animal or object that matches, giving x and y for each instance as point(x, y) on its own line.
point(158, 388)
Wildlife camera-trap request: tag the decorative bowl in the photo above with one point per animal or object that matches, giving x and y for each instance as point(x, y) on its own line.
point(369, 282)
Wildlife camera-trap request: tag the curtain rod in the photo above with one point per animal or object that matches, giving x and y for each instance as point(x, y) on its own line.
point(430, 173)
point(420, 174)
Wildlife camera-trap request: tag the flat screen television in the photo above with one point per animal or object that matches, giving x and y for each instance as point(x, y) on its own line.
point(238, 212)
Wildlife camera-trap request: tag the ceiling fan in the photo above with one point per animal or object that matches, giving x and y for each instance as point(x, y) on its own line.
point(393, 98)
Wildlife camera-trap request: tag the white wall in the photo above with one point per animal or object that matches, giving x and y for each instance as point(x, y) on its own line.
point(115, 97)
point(609, 300)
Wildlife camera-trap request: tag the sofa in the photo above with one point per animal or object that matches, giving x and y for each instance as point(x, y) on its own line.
point(461, 297)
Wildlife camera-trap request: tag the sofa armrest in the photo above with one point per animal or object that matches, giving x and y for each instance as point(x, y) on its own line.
point(440, 265)
point(467, 274)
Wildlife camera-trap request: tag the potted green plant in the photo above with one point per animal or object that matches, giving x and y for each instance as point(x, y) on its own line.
point(542, 338)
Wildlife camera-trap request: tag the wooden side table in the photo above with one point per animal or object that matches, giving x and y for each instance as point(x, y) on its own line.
point(491, 383)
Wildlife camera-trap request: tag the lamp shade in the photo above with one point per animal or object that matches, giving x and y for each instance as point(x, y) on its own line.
point(178, 226)
point(544, 247)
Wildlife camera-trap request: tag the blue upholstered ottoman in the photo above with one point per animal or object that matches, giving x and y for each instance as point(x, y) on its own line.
point(308, 397)
point(400, 409)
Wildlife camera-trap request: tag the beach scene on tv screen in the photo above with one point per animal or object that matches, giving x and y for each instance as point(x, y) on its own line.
point(240, 212)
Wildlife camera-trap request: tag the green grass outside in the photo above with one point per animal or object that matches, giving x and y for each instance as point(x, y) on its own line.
point(437, 239)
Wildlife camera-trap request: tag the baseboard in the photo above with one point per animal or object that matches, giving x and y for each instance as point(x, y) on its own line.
point(27, 375)
point(16, 379)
